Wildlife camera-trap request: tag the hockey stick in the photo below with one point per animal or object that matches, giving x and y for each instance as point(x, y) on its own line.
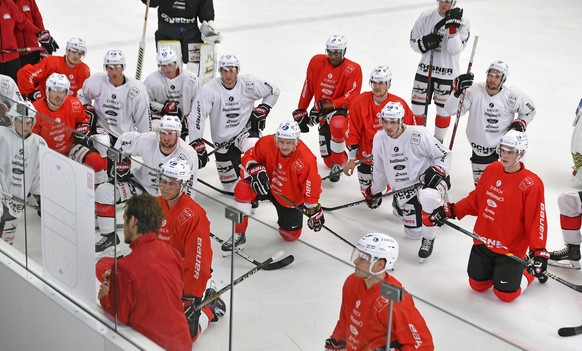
point(291, 203)
point(359, 202)
point(570, 331)
point(462, 100)
point(429, 88)
point(17, 199)
point(141, 50)
point(573, 286)
point(27, 49)
point(270, 267)
point(224, 192)
point(190, 310)
point(225, 143)
point(369, 157)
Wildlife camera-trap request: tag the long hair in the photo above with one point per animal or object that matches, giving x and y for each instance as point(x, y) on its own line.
point(148, 212)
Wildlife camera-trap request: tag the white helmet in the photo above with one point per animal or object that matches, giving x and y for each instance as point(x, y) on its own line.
point(166, 56)
point(176, 168)
point(288, 130)
point(114, 57)
point(228, 61)
point(57, 81)
point(170, 123)
point(514, 139)
point(336, 42)
point(381, 74)
point(77, 44)
point(501, 67)
point(23, 109)
point(378, 246)
point(454, 2)
point(392, 110)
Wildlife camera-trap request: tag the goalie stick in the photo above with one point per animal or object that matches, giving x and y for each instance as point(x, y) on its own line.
point(462, 100)
point(570, 331)
point(572, 286)
point(270, 267)
point(190, 310)
point(141, 50)
point(369, 157)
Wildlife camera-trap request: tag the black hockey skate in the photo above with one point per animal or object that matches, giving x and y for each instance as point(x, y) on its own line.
point(217, 305)
point(425, 249)
point(335, 168)
point(239, 244)
point(106, 245)
point(568, 257)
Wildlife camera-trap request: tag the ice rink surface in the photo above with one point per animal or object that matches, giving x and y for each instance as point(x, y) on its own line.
point(296, 308)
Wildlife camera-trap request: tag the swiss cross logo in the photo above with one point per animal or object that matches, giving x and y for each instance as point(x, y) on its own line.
point(526, 183)
point(298, 165)
point(185, 215)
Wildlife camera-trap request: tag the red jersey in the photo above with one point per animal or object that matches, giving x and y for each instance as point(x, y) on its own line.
point(57, 129)
point(148, 288)
point(294, 176)
point(187, 229)
point(510, 210)
point(33, 77)
point(364, 121)
point(339, 84)
point(11, 19)
point(363, 319)
point(31, 11)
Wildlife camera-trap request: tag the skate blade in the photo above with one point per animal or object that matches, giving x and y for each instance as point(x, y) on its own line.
point(240, 248)
point(420, 259)
point(109, 252)
point(565, 264)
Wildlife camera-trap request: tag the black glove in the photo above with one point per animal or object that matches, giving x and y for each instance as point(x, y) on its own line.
point(47, 42)
point(82, 135)
point(92, 115)
point(259, 116)
point(441, 214)
point(200, 148)
point(123, 170)
point(429, 42)
point(316, 219)
point(518, 124)
point(33, 96)
point(453, 17)
point(432, 177)
point(302, 118)
point(190, 303)
point(372, 200)
point(170, 108)
point(462, 82)
point(335, 345)
point(259, 179)
point(539, 264)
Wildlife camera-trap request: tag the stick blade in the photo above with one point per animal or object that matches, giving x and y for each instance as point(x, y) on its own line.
point(280, 264)
point(570, 331)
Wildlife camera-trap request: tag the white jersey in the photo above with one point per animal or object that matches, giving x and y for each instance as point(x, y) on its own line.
point(147, 146)
point(119, 109)
point(399, 162)
point(19, 167)
point(490, 116)
point(229, 109)
point(182, 89)
point(9, 90)
point(446, 57)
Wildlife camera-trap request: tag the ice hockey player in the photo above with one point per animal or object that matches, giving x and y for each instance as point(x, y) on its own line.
point(494, 108)
point(228, 101)
point(171, 89)
point(279, 163)
point(155, 148)
point(440, 35)
point(364, 121)
point(403, 155)
point(33, 40)
point(511, 218)
point(332, 82)
point(187, 228)
point(364, 313)
point(570, 206)
point(18, 146)
point(32, 77)
point(9, 95)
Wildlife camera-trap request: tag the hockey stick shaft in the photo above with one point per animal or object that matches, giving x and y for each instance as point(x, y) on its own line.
point(462, 100)
point(26, 49)
point(359, 202)
point(193, 309)
point(17, 199)
point(428, 87)
point(578, 288)
point(141, 51)
point(291, 203)
point(225, 143)
point(224, 192)
point(369, 157)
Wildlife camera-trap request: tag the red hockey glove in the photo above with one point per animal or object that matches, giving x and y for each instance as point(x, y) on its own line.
point(316, 219)
point(259, 117)
point(47, 42)
point(259, 179)
point(518, 124)
point(441, 214)
point(200, 148)
point(302, 118)
point(170, 108)
point(372, 200)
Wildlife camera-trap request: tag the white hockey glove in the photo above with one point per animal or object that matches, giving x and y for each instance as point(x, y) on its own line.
point(209, 34)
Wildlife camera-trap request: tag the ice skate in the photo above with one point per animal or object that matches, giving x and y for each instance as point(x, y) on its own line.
point(105, 247)
point(239, 244)
point(425, 249)
point(568, 257)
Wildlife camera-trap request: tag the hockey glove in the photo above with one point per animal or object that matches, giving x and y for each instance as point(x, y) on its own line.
point(123, 170)
point(441, 214)
point(190, 303)
point(539, 264)
point(316, 219)
point(259, 117)
point(462, 82)
point(170, 108)
point(301, 117)
point(259, 179)
point(314, 116)
point(33, 96)
point(324, 106)
point(335, 345)
point(209, 34)
point(91, 115)
point(429, 42)
point(200, 148)
point(4, 120)
point(432, 176)
point(453, 19)
point(82, 135)
point(47, 42)
point(373, 201)
point(518, 124)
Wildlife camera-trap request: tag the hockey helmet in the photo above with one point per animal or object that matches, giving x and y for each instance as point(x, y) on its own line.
point(170, 123)
point(23, 109)
point(515, 140)
point(288, 130)
point(501, 67)
point(166, 56)
point(58, 82)
point(228, 61)
point(77, 44)
point(176, 169)
point(381, 74)
point(376, 246)
point(114, 57)
point(392, 110)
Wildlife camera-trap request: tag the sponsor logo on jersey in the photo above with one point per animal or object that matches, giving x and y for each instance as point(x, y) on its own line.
point(133, 93)
point(396, 149)
point(327, 91)
point(25, 8)
point(6, 16)
point(498, 183)
point(399, 167)
point(249, 87)
point(329, 76)
point(415, 138)
point(526, 183)
point(492, 121)
point(17, 171)
point(512, 100)
point(232, 115)
point(111, 113)
point(353, 330)
point(298, 165)
point(185, 215)
point(491, 203)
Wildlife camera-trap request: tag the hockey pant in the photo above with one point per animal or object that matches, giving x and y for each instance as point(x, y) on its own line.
point(479, 163)
point(92, 159)
point(332, 143)
point(507, 276)
point(290, 220)
point(185, 34)
point(7, 225)
point(364, 176)
point(440, 90)
point(228, 160)
point(106, 196)
point(570, 206)
point(415, 208)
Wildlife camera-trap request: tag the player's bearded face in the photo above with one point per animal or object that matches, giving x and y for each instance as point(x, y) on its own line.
point(56, 97)
point(494, 80)
point(335, 57)
point(168, 138)
point(380, 89)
